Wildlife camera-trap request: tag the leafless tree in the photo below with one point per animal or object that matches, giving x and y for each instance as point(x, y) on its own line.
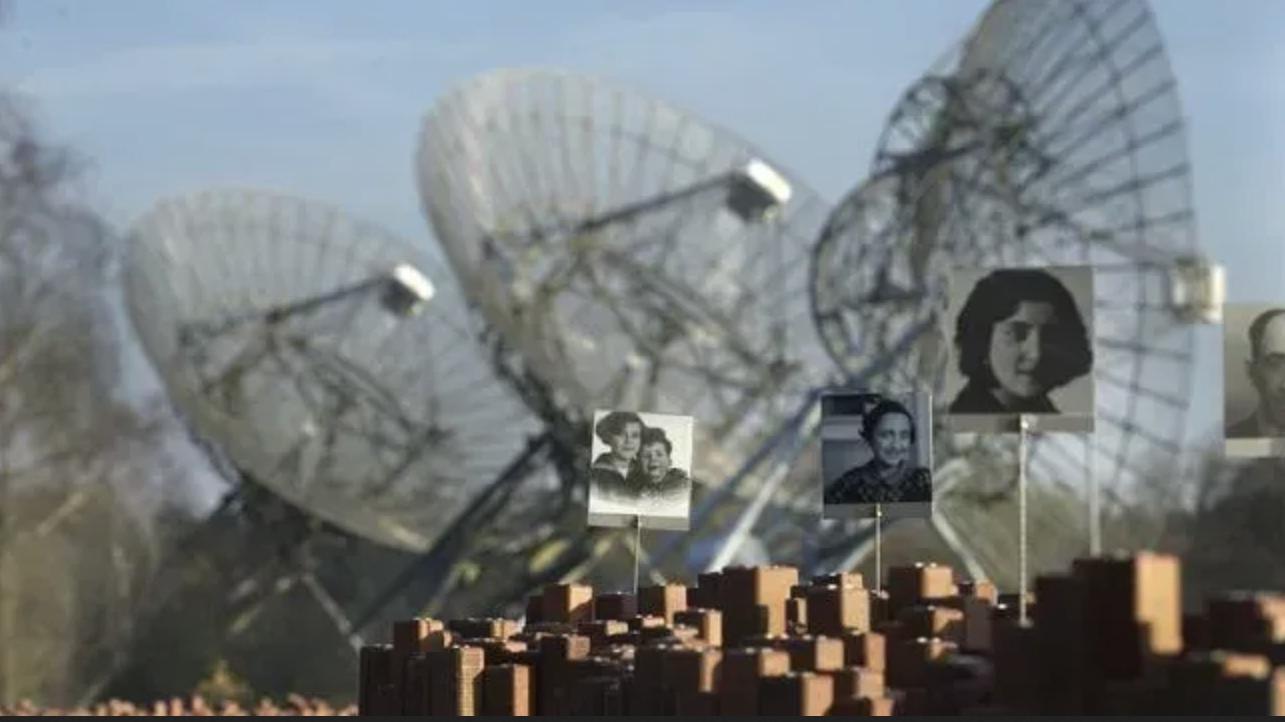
point(75, 540)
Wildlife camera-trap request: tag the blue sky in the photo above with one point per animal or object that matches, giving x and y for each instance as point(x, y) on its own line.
point(324, 99)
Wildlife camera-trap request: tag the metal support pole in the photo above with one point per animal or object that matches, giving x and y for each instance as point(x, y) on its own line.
point(637, 550)
point(1095, 500)
point(878, 548)
point(1023, 423)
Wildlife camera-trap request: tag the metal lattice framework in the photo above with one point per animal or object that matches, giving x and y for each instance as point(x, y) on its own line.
point(1053, 136)
point(632, 254)
point(625, 255)
point(329, 361)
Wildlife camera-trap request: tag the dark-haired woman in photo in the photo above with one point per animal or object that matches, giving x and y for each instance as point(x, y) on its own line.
point(609, 476)
point(1019, 336)
point(891, 475)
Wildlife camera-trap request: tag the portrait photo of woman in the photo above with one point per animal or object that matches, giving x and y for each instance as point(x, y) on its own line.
point(1023, 344)
point(876, 449)
point(640, 469)
point(621, 432)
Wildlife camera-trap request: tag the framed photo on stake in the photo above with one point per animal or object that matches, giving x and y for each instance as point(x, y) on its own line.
point(876, 448)
point(641, 467)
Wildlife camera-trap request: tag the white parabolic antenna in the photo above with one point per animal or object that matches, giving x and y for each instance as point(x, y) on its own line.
point(1054, 136)
point(329, 361)
point(628, 253)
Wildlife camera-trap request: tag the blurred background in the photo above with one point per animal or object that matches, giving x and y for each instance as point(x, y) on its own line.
point(106, 108)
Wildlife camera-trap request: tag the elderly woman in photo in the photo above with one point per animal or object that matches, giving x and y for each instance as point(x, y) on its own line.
point(1018, 337)
point(891, 475)
point(611, 472)
point(658, 484)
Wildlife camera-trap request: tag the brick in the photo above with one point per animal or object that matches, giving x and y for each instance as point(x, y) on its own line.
point(615, 605)
point(1249, 622)
point(909, 659)
point(597, 696)
point(648, 692)
point(863, 707)
point(688, 636)
point(600, 631)
point(1196, 632)
point(833, 610)
point(928, 620)
point(531, 659)
point(982, 589)
point(630, 639)
point(752, 600)
point(977, 632)
point(701, 704)
point(708, 624)
point(841, 579)
point(662, 601)
point(742, 669)
point(556, 654)
point(865, 649)
point(1141, 595)
point(880, 607)
point(705, 594)
point(919, 583)
point(544, 629)
point(1016, 670)
point(506, 690)
point(698, 598)
point(893, 631)
point(855, 682)
point(796, 612)
point(814, 654)
point(455, 680)
point(417, 687)
point(643, 621)
point(1225, 683)
point(483, 628)
point(1063, 669)
point(656, 633)
point(496, 651)
point(567, 603)
point(804, 694)
point(387, 701)
point(375, 663)
point(415, 636)
point(689, 671)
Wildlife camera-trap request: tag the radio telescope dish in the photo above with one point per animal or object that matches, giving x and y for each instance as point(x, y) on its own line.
point(629, 254)
point(329, 361)
point(1054, 136)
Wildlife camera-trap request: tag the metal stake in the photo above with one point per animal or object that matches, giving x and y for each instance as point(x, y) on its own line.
point(1023, 423)
point(878, 548)
point(637, 550)
point(1095, 501)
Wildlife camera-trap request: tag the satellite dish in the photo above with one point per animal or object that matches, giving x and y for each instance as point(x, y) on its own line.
point(1052, 137)
point(330, 362)
point(631, 255)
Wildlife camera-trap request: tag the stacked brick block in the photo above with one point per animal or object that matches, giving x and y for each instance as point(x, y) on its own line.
point(1108, 636)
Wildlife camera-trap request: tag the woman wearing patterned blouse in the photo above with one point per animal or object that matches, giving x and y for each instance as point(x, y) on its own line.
point(889, 431)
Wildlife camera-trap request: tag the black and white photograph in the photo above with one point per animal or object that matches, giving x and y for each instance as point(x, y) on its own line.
point(641, 468)
point(1254, 379)
point(876, 449)
point(1021, 344)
